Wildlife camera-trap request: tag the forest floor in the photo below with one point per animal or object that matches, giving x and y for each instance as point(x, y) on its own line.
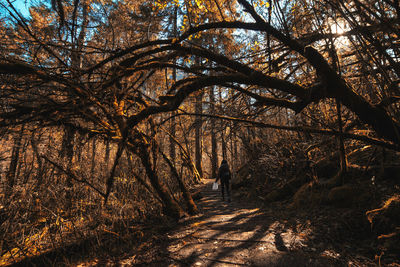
point(240, 233)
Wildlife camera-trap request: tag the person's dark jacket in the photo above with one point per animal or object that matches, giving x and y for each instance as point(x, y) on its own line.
point(224, 173)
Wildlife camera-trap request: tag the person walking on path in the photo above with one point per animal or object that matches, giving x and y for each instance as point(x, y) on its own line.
point(224, 174)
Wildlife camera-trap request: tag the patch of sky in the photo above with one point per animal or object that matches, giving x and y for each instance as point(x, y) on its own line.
point(21, 6)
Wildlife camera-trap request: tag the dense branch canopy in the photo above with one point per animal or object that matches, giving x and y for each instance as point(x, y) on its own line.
point(57, 76)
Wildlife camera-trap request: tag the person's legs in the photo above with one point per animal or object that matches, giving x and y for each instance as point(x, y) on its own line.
point(228, 191)
point(222, 190)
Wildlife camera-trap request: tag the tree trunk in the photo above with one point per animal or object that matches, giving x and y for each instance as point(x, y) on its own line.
point(106, 154)
point(235, 159)
point(172, 152)
point(192, 208)
point(41, 165)
point(67, 151)
point(223, 143)
point(222, 125)
point(188, 161)
point(343, 159)
point(198, 132)
point(93, 167)
point(14, 162)
point(171, 208)
point(139, 178)
point(111, 176)
point(372, 115)
point(214, 145)
point(23, 161)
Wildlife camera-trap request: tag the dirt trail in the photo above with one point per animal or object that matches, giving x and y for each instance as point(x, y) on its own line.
point(226, 234)
point(238, 234)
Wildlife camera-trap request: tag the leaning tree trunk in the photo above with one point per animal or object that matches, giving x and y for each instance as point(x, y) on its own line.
point(171, 207)
point(13, 163)
point(192, 208)
point(188, 161)
point(336, 87)
point(67, 151)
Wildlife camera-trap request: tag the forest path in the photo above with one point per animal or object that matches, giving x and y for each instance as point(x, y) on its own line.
point(239, 234)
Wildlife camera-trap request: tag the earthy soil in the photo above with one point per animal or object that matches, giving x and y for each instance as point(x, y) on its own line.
point(239, 233)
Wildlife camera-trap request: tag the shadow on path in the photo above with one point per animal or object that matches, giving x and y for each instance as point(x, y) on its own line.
point(222, 234)
point(238, 234)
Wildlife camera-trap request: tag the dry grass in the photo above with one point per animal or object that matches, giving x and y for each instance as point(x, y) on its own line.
point(36, 222)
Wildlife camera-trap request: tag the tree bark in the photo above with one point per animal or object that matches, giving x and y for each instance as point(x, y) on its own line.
point(140, 146)
point(41, 165)
point(14, 162)
point(187, 160)
point(67, 151)
point(223, 143)
point(222, 128)
point(335, 86)
point(343, 158)
point(192, 208)
point(214, 145)
point(111, 176)
point(172, 152)
point(139, 178)
point(171, 208)
point(93, 163)
point(198, 132)
point(107, 154)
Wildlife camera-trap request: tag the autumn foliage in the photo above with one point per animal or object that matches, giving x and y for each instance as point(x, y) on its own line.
point(110, 111)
